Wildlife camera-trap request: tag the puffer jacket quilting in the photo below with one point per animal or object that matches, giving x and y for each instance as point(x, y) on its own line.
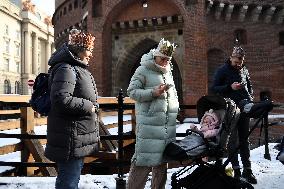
point(155, 116)
point(72, 128)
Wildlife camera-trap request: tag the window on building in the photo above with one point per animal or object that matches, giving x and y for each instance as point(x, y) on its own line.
point(17, 87)
point(6, 64)
point(7, 87)
point(38, 15)
point(241, 36)
point(75, 4)
point(97, 8)
point(18, 35)
point(18, 53)
point(18, 68)
point(70, 7)
point(281, 38)
point(64, 11)
point(7, 46)
point(84, 3)
point(6, 29)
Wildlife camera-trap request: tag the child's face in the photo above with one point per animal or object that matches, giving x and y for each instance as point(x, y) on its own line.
point(206, 120)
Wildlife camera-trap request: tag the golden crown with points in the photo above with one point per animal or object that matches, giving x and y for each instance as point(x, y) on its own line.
point(81, 39)
point(165, 48)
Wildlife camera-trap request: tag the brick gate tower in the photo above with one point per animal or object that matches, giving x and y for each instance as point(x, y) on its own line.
point(204, 30)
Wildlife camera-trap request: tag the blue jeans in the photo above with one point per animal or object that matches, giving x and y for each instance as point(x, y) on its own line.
point(69, 174)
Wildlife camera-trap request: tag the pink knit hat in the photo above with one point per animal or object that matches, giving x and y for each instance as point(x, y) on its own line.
point(213, 117)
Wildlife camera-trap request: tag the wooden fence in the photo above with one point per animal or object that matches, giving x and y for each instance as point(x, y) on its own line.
point(31, 147)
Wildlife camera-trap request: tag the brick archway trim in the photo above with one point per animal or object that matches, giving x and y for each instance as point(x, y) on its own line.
point(125, 65)
point(113, 12)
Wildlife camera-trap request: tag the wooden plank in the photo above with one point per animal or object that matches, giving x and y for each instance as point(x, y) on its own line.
point(10, 148)
point(8, 112)
point(113, 125)
point(15, 98)
point(100, 155)
point(109, 145)
point(37, 152)
point(40, 121)
point(7, 125)
point(113, 100)
point(15, 124)
point(16, 147)
point(27, 125)
point(128, 142)
point(114, 113)
point(26, 98)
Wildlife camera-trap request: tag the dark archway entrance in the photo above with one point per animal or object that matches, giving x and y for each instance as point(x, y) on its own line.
point(128, 65)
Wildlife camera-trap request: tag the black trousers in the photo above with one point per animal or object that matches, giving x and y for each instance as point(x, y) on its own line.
point(239, 136)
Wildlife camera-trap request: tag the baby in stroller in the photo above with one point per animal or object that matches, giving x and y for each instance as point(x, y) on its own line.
point(217, 117)
point(209, 125)
point(198, 145)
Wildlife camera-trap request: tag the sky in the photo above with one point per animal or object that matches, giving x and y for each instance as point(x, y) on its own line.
point(47, 6)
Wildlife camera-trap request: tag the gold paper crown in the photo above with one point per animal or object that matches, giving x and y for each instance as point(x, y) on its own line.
point(165, 48)
point(238, 51)
point(81, 39)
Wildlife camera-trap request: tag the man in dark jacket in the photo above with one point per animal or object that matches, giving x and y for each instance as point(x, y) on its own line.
point(72, 126)
point(232, 81)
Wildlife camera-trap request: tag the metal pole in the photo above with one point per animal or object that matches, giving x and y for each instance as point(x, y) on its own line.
point(265, 122)
point(265, 95)
point(120, 182)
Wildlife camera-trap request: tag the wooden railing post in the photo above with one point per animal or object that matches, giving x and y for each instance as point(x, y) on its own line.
point(133, 122)
point(27, 125)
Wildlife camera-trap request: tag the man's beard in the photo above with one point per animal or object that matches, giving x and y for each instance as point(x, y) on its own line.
point(238, 67)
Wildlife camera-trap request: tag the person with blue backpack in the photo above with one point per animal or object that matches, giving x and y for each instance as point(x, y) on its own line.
point(72, 123)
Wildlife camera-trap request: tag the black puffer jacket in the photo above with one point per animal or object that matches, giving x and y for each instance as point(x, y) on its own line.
point(72, 128)
point(225, 76)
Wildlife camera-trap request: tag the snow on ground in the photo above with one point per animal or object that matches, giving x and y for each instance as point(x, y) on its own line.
point(270, 175)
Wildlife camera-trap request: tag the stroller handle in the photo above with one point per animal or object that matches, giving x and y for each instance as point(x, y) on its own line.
point(256, 109)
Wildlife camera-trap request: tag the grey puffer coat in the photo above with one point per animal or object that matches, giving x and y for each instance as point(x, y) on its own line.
point(155, 116)
point(72, 127)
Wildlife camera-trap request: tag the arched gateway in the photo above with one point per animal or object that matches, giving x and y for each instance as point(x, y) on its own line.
point(130, 61)
point(132, 35)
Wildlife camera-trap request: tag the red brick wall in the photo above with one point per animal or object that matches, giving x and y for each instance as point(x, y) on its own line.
point(135, 11)
point(201, 33)
point(263, 52)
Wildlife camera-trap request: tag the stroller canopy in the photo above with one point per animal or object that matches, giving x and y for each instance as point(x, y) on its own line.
point(210, 102)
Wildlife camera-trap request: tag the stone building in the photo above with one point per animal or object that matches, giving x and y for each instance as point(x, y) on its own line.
point(204, 30)
point(26, 44)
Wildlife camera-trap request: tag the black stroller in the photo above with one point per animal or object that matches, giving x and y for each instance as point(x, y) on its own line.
point(195, 147)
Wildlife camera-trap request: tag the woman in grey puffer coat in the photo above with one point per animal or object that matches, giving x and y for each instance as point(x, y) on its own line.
point(152, 87)
point(72, 127)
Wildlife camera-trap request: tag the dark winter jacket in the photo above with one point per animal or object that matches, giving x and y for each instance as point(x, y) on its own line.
point(72, 127)
point(225, 76)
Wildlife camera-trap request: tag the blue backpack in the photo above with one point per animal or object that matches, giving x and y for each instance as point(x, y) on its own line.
point(40, 99)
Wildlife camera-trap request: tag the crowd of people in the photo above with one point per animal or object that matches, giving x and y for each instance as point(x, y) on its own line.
point(73, 130)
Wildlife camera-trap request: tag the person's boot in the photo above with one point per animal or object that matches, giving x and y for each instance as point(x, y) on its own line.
point(237, 173)
point(248, 175)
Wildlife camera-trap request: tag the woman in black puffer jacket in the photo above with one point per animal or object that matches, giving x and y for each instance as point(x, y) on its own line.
point(72, 126)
